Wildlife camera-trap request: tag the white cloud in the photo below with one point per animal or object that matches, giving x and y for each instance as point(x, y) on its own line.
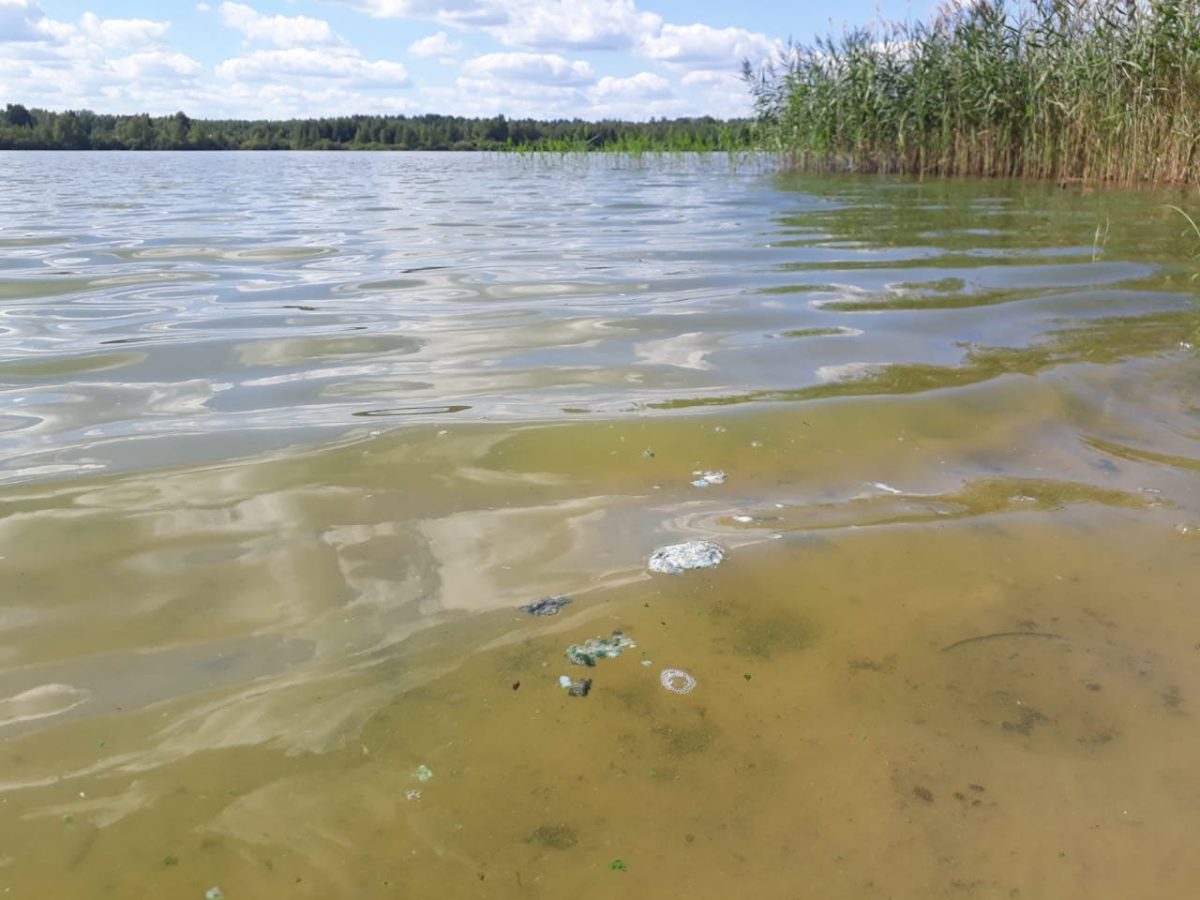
point(691, 44)
point(122, 32)
point(20, 21)
point(711, 78)
point(532, 24)
point(720, 93)
point(517, 99)
point(340, 66)
point(299, 66)
point(579, 24)
point(155, 64)
point(459, 13)
point(283, 31)
point(641, 85)
point(298, 101)
point(584, 24)
point(543, 68)
point(438, 45)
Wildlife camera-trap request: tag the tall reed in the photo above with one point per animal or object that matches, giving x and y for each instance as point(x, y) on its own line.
point(1064, 89)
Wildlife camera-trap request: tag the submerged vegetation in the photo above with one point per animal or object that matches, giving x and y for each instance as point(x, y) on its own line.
point(36, 129)
point(1062, 89)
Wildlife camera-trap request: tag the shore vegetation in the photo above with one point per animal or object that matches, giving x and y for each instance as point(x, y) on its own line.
point(1095, 90)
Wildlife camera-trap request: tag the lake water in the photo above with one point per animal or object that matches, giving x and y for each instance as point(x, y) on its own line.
point(287, 439)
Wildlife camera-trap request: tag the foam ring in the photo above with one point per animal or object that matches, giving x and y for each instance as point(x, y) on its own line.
point(677, 681)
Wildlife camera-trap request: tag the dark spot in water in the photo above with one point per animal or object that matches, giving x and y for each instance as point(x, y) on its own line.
point(1092, 686)
point(780, 633)
point(685, 741)
point(1030, 719)
point(1172, 699)
point(558, 837)
point(886, 666)
point(977, 788)
point(1102, 736)
point(923, 793)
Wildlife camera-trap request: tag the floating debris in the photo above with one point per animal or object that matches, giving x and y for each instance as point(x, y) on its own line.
point(677, 681)
point(214, 893)
point(547, 606)
point(648, 453)
point(887, 488)
point(580, 688)
point(422, 773)
point(412, 794)
point(1048, 635)
point(589, 651)
point(678, 558)
point(708, 478)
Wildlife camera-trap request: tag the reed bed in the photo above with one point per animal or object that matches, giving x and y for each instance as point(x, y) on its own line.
point(1095, 90)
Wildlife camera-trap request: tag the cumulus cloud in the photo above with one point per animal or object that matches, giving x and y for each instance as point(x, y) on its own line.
point(298, 65)
point(531, 24)
point(291, 100)
point(122, 32)
point(583, 24)
point(577, 24)
point(459, 13)
point(639, 86)
point(283, 31)
point(20, 20)
point(519, 99)
point(155, 64)
point(108, 64)
point(438, 45)
point(544, 68)
point(342, 66)
point(707, 45)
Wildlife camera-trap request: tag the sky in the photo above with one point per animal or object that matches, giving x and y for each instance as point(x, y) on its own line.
point(590, 59)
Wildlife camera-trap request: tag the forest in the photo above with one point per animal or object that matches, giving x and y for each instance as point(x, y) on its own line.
point(22, 128)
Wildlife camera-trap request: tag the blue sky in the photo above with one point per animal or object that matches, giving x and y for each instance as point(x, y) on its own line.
point(630, 59)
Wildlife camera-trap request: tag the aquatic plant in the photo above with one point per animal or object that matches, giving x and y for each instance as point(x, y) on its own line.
point(1059, 89)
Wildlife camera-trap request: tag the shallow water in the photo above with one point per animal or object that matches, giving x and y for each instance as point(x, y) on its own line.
point(286, 439)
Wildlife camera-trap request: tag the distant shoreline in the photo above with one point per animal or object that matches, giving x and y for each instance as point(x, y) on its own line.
point(22, 128)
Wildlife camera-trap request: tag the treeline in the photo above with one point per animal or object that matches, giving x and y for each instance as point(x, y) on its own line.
point(36, 129)
point(1063, 89)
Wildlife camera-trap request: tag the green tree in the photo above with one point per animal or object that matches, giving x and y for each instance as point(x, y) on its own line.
point(18, 116)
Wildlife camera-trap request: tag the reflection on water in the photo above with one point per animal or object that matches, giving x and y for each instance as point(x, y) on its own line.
point(286, 439)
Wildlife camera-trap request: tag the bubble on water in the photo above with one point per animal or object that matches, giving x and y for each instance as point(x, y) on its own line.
point(677, 681)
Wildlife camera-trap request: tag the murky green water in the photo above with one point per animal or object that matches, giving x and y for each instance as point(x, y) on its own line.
point(286, 439)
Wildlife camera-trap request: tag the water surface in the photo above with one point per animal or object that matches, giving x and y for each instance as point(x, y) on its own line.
point(286, 439)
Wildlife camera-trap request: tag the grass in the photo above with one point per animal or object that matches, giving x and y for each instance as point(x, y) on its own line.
point(1095, 90)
